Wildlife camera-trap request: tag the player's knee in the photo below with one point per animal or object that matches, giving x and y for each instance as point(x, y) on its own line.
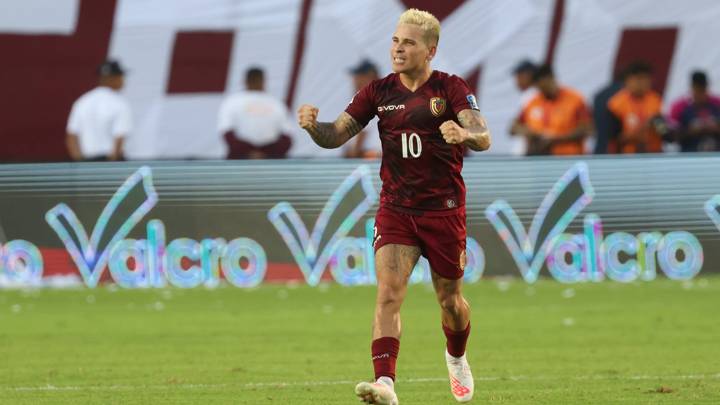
point(389, 299)
point(452, 304)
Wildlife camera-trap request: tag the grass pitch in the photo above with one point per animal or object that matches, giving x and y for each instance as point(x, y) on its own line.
point(549, 343)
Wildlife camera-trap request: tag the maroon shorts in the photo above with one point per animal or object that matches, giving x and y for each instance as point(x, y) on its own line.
point(439, 235)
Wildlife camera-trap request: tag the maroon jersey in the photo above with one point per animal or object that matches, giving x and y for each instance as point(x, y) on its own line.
point(419, 169)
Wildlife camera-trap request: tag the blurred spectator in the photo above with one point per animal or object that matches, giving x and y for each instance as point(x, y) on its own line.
point(637, 107)
point(556, 121)
point(255, 124)
point(607, 125)
point(100, 119)
point(523, 73)
point(366, 144)
point(696, 118)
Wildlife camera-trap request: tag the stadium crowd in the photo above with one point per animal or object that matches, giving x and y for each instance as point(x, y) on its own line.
point(627, 115)
point(624, 117)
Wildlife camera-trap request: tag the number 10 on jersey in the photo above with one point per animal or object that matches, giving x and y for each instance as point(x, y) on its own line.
point(411, 145)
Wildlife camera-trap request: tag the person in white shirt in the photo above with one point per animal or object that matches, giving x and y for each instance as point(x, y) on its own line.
point(100, 119)
point(255, 124)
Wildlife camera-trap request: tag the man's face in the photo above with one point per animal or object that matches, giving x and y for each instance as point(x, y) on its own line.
point(116, 82)
point(523, 80)
point(638, 84)
point(360, 80)
point(699, 93)
point(409, 52)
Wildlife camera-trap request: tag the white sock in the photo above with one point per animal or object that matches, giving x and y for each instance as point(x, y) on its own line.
point(387, 381)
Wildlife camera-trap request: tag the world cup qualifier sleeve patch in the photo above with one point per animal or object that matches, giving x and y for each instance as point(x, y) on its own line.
point(473, 102)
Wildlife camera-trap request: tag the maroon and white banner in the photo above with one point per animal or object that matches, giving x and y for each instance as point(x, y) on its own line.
point(184, 56)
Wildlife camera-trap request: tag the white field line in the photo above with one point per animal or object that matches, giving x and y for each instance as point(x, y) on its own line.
point(348, 382)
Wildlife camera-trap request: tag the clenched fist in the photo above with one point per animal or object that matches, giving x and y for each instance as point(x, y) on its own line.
point(453, 133)
point(307, 116)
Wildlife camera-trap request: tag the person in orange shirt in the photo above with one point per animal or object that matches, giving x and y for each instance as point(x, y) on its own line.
point(638, 109)
point(555, 121)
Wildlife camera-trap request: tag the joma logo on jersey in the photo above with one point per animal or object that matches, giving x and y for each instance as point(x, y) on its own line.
point(384, 108)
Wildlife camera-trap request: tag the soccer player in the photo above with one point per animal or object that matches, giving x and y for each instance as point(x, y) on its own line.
point(426, 119)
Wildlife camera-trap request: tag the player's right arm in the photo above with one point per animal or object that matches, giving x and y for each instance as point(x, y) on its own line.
point(328, 135)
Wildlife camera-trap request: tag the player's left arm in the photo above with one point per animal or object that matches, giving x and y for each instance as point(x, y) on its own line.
point(472, 131)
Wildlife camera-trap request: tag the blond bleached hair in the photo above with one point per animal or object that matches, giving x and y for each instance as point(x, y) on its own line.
point(426, 21)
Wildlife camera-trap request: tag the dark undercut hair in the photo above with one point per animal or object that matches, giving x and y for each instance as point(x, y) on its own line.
point(254, 75)
point(699, 79)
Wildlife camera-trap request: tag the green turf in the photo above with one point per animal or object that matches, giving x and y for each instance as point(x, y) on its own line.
point(543, 344)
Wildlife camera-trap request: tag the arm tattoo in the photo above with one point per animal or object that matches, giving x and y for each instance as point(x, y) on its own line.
point(474, 122)
point(331, 135)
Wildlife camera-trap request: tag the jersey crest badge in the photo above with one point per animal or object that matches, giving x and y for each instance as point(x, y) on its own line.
point(437, 106)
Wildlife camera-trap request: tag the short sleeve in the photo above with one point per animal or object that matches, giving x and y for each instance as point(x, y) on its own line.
point(362, 106)
point(123, 122)
point(522, 117)
point(715, 101)
point(676, 111)
point(73, 124)
point(461, 98)
point(225, 116)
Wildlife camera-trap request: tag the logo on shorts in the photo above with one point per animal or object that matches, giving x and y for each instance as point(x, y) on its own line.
point(463, 260)
point(437, 106)
point(376, 237)
point(450, 203)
